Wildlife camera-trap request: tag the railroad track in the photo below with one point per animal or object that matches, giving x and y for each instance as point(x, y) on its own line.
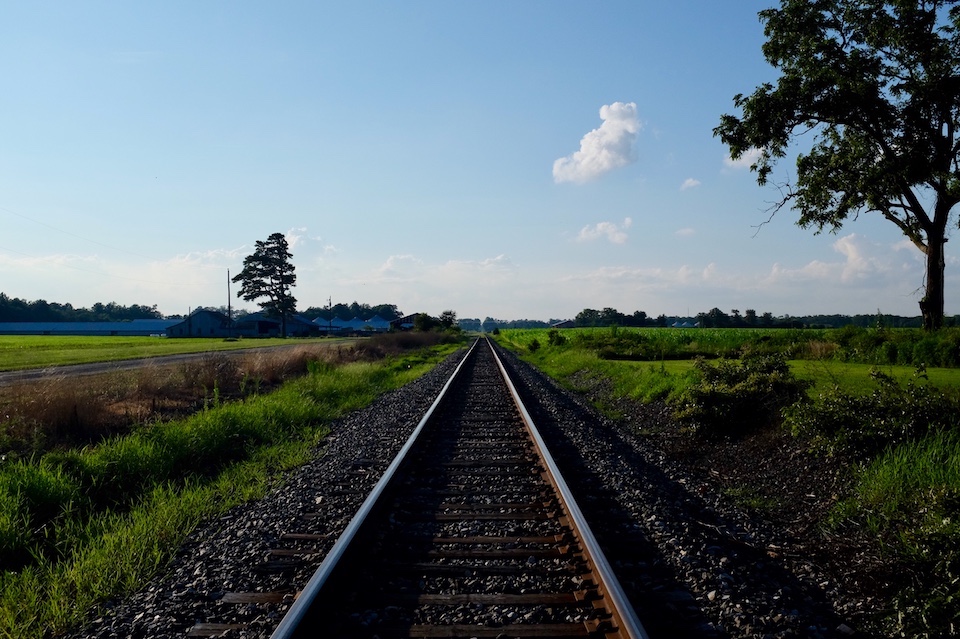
point(470, 532)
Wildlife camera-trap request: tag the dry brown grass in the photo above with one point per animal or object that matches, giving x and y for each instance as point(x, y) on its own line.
point(822, 350)
point(62, 411)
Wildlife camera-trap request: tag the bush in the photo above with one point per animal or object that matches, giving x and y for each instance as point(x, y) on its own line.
point(863, 426)
point(734, 397)
point(534, 346)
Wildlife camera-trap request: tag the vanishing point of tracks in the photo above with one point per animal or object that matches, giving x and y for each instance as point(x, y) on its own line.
point(470, 532)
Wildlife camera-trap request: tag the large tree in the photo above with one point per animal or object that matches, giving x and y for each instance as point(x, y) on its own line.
point(268, 273)
point(877, 84)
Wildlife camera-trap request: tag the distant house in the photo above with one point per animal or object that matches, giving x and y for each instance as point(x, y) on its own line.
point(404, 323)
point(376, 324)
point(138, 327)
point(564, 324)
point(202, 323)
point(327, 326)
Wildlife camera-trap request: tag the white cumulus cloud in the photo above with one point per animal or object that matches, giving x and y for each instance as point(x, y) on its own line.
point(608, 147)
point(615, 233)
point(744, 161)
point(689, 183)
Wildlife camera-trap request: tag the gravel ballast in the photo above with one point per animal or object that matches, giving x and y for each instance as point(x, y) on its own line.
point(681, 551)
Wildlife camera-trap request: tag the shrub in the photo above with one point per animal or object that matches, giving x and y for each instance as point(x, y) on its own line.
point(864, 426)
point(534, 345)
point(735, 397)
point(926, 352)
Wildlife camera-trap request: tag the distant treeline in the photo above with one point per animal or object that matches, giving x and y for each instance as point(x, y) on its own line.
point(349, 311)
point(488, 324)
point(14, 309)
point(714, 318)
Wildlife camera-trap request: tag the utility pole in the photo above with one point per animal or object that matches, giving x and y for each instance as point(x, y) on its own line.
point(229, 309)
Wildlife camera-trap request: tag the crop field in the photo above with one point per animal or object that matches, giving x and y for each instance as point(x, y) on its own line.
point(18, 352)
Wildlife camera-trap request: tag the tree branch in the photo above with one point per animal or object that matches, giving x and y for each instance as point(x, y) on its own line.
point(787, 194)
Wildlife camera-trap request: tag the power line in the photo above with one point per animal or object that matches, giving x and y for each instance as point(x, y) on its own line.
point(79, 237)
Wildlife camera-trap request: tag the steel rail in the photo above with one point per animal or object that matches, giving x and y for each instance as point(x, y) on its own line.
point(301, 607)
point(622, 610)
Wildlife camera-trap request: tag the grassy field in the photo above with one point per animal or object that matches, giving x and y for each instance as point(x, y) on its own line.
point(82, 525)
point(18, 352)
point(857, 379)
point(652, 363)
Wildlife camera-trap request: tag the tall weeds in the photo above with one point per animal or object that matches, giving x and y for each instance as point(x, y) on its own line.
point(63, 412)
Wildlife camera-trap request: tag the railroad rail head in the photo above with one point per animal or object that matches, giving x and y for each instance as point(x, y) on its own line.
point(470, 532)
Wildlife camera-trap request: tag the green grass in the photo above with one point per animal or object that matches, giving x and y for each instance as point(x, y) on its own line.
point(918, 480)
point(80, 526)
point(908, 347)
point(575, 362)
point(909, 497)
point(900, 434)
point(18, 352)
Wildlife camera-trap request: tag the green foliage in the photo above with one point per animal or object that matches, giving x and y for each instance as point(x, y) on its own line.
point(734, 397)
point(865, 425)
point(874, 84)
point(909, 496)
point(78, 526)
point(907, 492)
point(19, 310)
point(901, 437)
point(909, 347)
point(534, 345)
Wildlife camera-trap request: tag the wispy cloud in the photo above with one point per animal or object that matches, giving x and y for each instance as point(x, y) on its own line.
point(684, 232)
point(689, 183)
point(615, 233)
point(604, 149)
point(862, 275)
point(744, 161)
point(296, 236)
point(864, 264)
point(399, 268)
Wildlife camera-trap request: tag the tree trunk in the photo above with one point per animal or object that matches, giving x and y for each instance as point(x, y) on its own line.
point(931, 306)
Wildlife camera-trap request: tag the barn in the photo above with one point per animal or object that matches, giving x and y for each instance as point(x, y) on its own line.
point(202, 323)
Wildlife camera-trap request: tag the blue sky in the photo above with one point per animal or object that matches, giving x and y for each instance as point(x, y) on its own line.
point(504, 159)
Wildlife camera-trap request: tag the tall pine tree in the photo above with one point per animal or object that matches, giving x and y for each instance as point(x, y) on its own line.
point(268, 273)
